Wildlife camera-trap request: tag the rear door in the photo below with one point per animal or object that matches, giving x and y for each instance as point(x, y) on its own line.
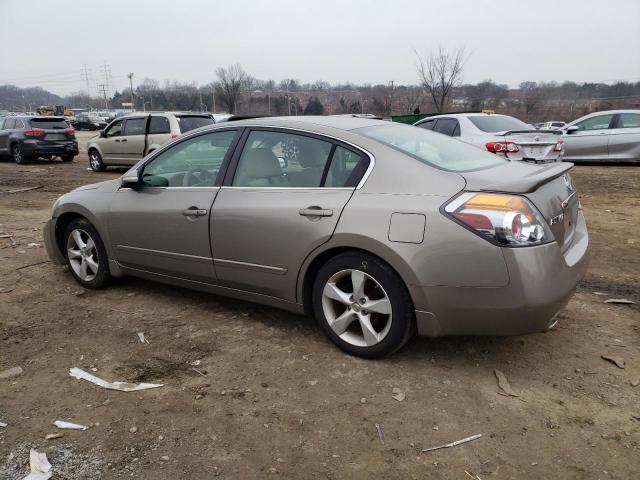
point(624, 139)
point(132, 142)
point(282, 198)
point(591, 140)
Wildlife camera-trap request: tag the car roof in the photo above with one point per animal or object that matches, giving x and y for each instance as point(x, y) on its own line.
point(339, 122)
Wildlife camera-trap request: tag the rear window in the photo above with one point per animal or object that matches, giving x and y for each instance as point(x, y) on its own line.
point(191, 122)
point(431, 148)
point(498, 123)
point(49, 123)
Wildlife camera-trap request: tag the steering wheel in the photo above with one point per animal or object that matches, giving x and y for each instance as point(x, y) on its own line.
point(197, 177)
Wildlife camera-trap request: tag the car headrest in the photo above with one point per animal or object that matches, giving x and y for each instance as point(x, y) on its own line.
point(261, 163)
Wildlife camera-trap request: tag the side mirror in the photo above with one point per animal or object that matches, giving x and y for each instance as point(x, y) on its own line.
point(571, 129)
point(103, 133)
point(131, 179)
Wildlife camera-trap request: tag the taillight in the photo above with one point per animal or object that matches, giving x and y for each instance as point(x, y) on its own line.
point(558, 147)
point(71, 132)
point(509, 220)
point(502, 147)
point(34, 132)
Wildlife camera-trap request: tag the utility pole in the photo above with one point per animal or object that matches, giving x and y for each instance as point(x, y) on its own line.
point(288, 99)
point(213, 98)
point(131, 85)
point(200, 93)
point(106, 70)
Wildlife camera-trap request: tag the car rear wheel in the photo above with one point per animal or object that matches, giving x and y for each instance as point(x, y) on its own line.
point(86, 255)
point(67, 158)
point(95, 161)
point(362, 305)
point(18, 156)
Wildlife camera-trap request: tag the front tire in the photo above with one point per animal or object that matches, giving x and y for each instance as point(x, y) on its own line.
point(95, 161)
point(363, 305)
point(86, 255)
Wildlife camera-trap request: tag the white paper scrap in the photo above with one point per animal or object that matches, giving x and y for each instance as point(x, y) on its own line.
point(121, 386)
point(69, 425)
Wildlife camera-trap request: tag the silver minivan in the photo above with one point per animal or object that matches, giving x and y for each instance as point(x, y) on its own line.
point(127, 140)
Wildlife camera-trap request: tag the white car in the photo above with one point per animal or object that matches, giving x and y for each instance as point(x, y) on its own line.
point(552, 125)
point(499, 134)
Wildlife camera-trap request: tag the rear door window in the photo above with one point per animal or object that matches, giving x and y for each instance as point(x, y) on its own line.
point(347, 168)
point(135, 126)
point(49, 123)
point(629, 120)
point(447, 126)
point(159, 125)
point(191, 122)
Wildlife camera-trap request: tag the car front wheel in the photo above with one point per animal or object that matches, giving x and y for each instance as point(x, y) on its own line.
point(95, 161)
point(86, 255)
point(362, 305)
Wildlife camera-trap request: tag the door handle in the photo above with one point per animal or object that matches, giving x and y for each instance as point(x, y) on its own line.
point(194, 212)
point(117, 140)
point(315, 212)
point(124, 139)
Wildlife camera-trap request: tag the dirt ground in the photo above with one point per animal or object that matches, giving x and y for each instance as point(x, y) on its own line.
point(254, 392)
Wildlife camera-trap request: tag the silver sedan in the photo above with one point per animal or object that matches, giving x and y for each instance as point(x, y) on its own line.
point(608, 136)
point(379, 230)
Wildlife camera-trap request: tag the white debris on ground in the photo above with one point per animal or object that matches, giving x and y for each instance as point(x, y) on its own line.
point(121, 386)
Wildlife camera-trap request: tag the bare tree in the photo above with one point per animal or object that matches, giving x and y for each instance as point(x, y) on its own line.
point(440, 73)
point(231, 81)
point(412, 97)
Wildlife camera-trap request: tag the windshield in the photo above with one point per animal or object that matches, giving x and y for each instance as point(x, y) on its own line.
point(52, 123)
point(188, 123)
point(498, 123)
point(432, 148)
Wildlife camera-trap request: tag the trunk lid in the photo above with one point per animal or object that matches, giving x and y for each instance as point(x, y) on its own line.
point(534, 145)
point(549, 187)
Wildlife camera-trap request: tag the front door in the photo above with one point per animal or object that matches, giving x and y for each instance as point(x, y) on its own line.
point(132, 142)
point(163, 226)
point(590, 141)
point(110, 144)
point(282, 199)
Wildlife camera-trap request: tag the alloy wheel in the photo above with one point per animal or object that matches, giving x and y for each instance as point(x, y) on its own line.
point(83, 255)
point(357, 308)
point(95, 161)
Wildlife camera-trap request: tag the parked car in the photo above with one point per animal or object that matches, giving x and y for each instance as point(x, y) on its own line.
point(500, 134)
point(553, 125)
point(126, 140)
point(608, 136)
point(379, 229)
point(538, 126)
point(86, 122)
point(27, 137)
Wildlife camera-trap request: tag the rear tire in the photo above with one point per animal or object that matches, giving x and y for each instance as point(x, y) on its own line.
point(85, 254)
point(95, 161)
point(18, 156)
point(363, 305)
point(67, 158)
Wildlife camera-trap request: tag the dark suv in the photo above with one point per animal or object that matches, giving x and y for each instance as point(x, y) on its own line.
point(29, 137)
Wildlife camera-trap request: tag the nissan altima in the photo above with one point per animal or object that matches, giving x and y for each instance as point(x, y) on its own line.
point(379, 230)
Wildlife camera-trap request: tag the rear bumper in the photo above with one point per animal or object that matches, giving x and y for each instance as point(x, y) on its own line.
point(50, 244)
point(43, 147)
point(541, 282)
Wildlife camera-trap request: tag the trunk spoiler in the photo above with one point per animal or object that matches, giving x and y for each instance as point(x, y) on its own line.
point(517, 177)
point(510, 132)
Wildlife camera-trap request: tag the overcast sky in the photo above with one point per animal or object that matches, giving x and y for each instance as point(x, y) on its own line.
point(47, 43)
